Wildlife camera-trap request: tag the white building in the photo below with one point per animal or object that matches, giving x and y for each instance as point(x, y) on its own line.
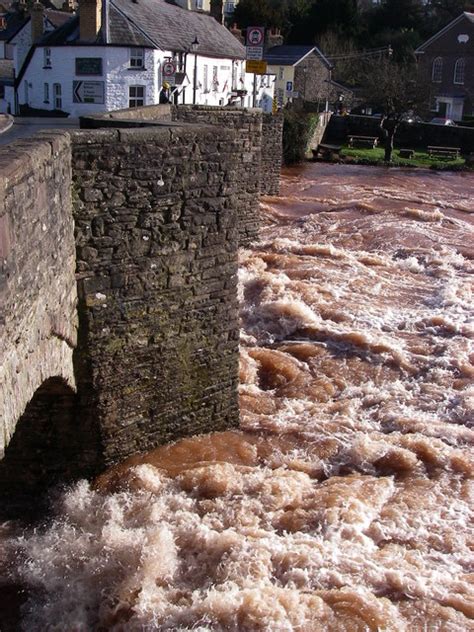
point(117, 53)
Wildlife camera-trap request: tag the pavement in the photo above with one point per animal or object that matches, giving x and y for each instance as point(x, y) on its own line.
point(27, 126)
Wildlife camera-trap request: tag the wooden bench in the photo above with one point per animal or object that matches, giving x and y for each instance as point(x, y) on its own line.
point(327, 152)
point(406, 153)
point(363, 141)
point(444, 152)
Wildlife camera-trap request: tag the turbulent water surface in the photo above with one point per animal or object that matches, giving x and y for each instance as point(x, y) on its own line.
point(344, 503)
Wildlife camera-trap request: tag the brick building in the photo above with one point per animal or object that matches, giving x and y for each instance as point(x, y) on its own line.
point(446, 62)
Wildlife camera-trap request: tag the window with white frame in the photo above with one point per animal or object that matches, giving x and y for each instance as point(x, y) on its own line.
point(437, 70)
point(136, 96)
point(57, 95)
point(459, 71)
point(199, 5)
point(137, 58)
point(47, 57)
point(46, 92)
point(215, 78)
point(205, 83)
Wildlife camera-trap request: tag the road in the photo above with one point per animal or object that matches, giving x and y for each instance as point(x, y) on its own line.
point(28, 126)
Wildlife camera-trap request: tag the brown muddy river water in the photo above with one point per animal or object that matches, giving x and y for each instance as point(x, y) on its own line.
point(345, 502)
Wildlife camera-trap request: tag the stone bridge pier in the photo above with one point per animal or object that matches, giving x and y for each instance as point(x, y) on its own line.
point(119, 315)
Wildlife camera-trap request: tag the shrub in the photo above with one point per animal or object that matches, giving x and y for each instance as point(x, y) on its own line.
point(298, 128)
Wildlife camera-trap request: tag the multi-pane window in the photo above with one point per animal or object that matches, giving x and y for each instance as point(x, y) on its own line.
point(205, 82)
point(47, 57)
point(136, 96)
point(137, 58)
point(437, 70)
point(58, 99)
point(215, 78)
point(459, 71)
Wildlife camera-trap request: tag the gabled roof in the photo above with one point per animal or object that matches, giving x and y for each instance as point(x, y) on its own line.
point(155, 24)
point(464, 16)
point(57, 18)
point(289, 55)
point(172, 28)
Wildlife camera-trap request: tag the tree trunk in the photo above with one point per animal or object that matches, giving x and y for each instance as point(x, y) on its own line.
point(388, 145)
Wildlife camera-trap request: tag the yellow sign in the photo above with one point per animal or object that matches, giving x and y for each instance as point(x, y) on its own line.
point(257, 67)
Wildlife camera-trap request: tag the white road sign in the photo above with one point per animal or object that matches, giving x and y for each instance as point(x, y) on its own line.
point(254, 53)
point(88, 92)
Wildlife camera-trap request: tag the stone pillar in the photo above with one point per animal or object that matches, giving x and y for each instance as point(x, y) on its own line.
point(156, 236)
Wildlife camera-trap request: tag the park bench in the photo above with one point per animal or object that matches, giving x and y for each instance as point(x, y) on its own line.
point(363, 141)
point(444, 152)
point(406, 153)
point(327, 152)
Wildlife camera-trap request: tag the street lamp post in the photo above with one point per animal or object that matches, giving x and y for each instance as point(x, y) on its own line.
point(194, 47)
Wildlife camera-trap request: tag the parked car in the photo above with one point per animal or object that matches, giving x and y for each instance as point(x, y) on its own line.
point(442, 121)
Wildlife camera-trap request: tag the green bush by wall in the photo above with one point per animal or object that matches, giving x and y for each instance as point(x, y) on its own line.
point(298, 128)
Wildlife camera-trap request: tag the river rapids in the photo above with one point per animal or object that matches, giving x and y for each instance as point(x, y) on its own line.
point(344, 503)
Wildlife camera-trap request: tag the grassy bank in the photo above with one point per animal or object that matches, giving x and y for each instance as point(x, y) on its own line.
point(420, 159)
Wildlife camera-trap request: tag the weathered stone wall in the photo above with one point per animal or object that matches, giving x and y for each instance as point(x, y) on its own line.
point(156, 232)
point(318, 134)
point(248, 124)
point(272, 139)
point(37, 263)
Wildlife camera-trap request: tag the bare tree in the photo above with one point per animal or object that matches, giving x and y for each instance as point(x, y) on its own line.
point(395, 90)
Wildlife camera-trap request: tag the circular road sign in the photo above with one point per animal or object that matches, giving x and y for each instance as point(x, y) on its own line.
point(168, 69)
point(255, 36)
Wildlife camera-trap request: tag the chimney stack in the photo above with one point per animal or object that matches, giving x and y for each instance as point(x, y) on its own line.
point(90, 19)
point(37, 22)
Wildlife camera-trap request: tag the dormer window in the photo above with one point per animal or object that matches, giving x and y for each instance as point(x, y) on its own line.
point(437, 70)
point(47, 58)
point(459, 71)
point(137, 58)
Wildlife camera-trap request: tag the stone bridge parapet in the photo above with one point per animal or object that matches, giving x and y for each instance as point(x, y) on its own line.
point(38, 318)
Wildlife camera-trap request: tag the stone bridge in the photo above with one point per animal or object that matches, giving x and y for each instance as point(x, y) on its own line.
point(118, 261)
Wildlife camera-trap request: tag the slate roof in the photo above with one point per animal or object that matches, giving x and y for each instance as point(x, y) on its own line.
point(156, 24)
point(291, 55)
point(15, 21)
point(57, 18)
point(172, 28)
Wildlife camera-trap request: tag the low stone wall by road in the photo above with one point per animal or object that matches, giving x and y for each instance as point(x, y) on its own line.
point(37, 263)
point(156, 231)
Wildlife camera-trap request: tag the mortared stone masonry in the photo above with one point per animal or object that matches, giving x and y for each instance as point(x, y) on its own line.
point(123, 334)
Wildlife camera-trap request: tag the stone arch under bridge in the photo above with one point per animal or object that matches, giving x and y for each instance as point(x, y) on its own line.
point(50, 446)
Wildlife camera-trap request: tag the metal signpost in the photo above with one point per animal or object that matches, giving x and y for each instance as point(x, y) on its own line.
point(255, 43)
point(169, 72)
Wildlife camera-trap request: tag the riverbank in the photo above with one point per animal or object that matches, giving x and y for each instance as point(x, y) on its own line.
point(375, 158)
